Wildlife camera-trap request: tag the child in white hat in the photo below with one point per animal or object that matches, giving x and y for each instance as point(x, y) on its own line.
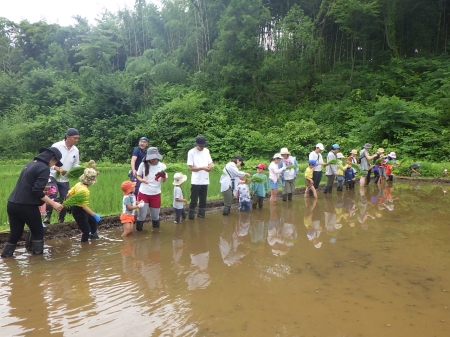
point(178, 200)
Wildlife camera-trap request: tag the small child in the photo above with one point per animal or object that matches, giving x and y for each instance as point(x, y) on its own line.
point(243, 195)
point(128, 206)
point(309, 183)
point(340, 172)
point(178, 201)
point(259, 190)
point(85, 218)
point(349, 176)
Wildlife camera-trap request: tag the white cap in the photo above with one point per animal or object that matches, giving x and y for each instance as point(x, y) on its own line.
point(277, 155)
point(320, 146)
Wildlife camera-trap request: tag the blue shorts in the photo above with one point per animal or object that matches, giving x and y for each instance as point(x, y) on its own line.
point(273, 186)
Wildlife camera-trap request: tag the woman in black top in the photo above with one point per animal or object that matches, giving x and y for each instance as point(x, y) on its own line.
point(27, 195)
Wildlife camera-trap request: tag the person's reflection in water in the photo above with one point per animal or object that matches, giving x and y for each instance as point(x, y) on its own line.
point(28, 308)
point(178, 245)
point(274, 238)
point(198, 277)
point(349, 208)
point(288, 230)
point(311, 221)
point(331, 225)
point(363, 213)
point(229, 244)
point(258, 232)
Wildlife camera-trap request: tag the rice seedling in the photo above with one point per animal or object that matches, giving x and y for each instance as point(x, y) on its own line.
point(77, 199)
point(332, 162)
point(256, 179)
point(291, 167)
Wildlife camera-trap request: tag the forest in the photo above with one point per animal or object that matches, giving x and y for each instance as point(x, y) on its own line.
point(252, 76)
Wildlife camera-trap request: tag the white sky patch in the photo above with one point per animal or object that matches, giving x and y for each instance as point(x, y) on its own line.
point(62, 11)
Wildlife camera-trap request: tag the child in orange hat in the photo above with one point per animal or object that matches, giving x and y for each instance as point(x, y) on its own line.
point(128, 207)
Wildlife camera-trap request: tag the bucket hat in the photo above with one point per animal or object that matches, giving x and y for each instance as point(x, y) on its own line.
point(179, 178)
point(392, 155)
point(354, 151)
point(340, 155)
point(89, 176)
point(153, 153)
point(277, 155)
point(367, 146)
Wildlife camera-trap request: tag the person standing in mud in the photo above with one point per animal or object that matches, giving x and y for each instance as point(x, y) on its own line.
point(58, 175)
point(151, 173)
point(137, 156)
point(317, 173)
point(200, 163)
point(27, 195)
point(288, 177)
point(229, 181)
point(365, 159)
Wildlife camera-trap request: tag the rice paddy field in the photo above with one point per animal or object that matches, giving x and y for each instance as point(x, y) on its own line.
point(106, 195)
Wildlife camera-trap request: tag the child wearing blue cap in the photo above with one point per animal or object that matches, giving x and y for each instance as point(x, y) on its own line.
point(309, 183)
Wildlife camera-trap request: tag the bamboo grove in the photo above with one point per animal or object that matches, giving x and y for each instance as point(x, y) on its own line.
point(252, 76)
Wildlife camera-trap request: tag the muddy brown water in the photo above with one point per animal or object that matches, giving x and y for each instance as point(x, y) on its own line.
point(375, 264)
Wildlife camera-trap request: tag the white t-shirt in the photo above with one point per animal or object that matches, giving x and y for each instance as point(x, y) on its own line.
point(70, 159)
point(154, 186)
point(198, 158)
point(177, 193)
point(317, 157)
point(129, 199)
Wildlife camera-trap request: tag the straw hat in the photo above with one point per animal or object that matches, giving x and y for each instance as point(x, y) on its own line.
point(284, 150)
point(179, 178)
point(354, 151)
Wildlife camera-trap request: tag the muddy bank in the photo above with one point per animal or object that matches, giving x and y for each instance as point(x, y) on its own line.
point(70, 229)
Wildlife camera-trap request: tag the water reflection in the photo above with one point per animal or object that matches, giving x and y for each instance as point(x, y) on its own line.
point(363, 259)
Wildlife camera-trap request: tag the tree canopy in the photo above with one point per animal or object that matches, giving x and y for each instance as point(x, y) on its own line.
point(252, 76)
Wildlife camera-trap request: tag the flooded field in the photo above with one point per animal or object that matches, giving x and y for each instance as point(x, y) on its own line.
point(350, 264)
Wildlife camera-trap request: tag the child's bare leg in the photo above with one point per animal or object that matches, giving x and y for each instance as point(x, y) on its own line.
point(127, 229)
point(273, 196)
point(306, 191)
point(314, 192)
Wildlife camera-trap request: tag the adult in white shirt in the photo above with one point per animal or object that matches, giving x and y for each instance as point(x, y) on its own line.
point(58, 175)
point(151, 173)
point(200, 163)
point(229, 181)
point(317, 174)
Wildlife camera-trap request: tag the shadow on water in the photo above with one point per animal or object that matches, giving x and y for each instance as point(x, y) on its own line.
point(349, 264)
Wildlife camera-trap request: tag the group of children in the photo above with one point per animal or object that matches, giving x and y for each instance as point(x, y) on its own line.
point(254, 193)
